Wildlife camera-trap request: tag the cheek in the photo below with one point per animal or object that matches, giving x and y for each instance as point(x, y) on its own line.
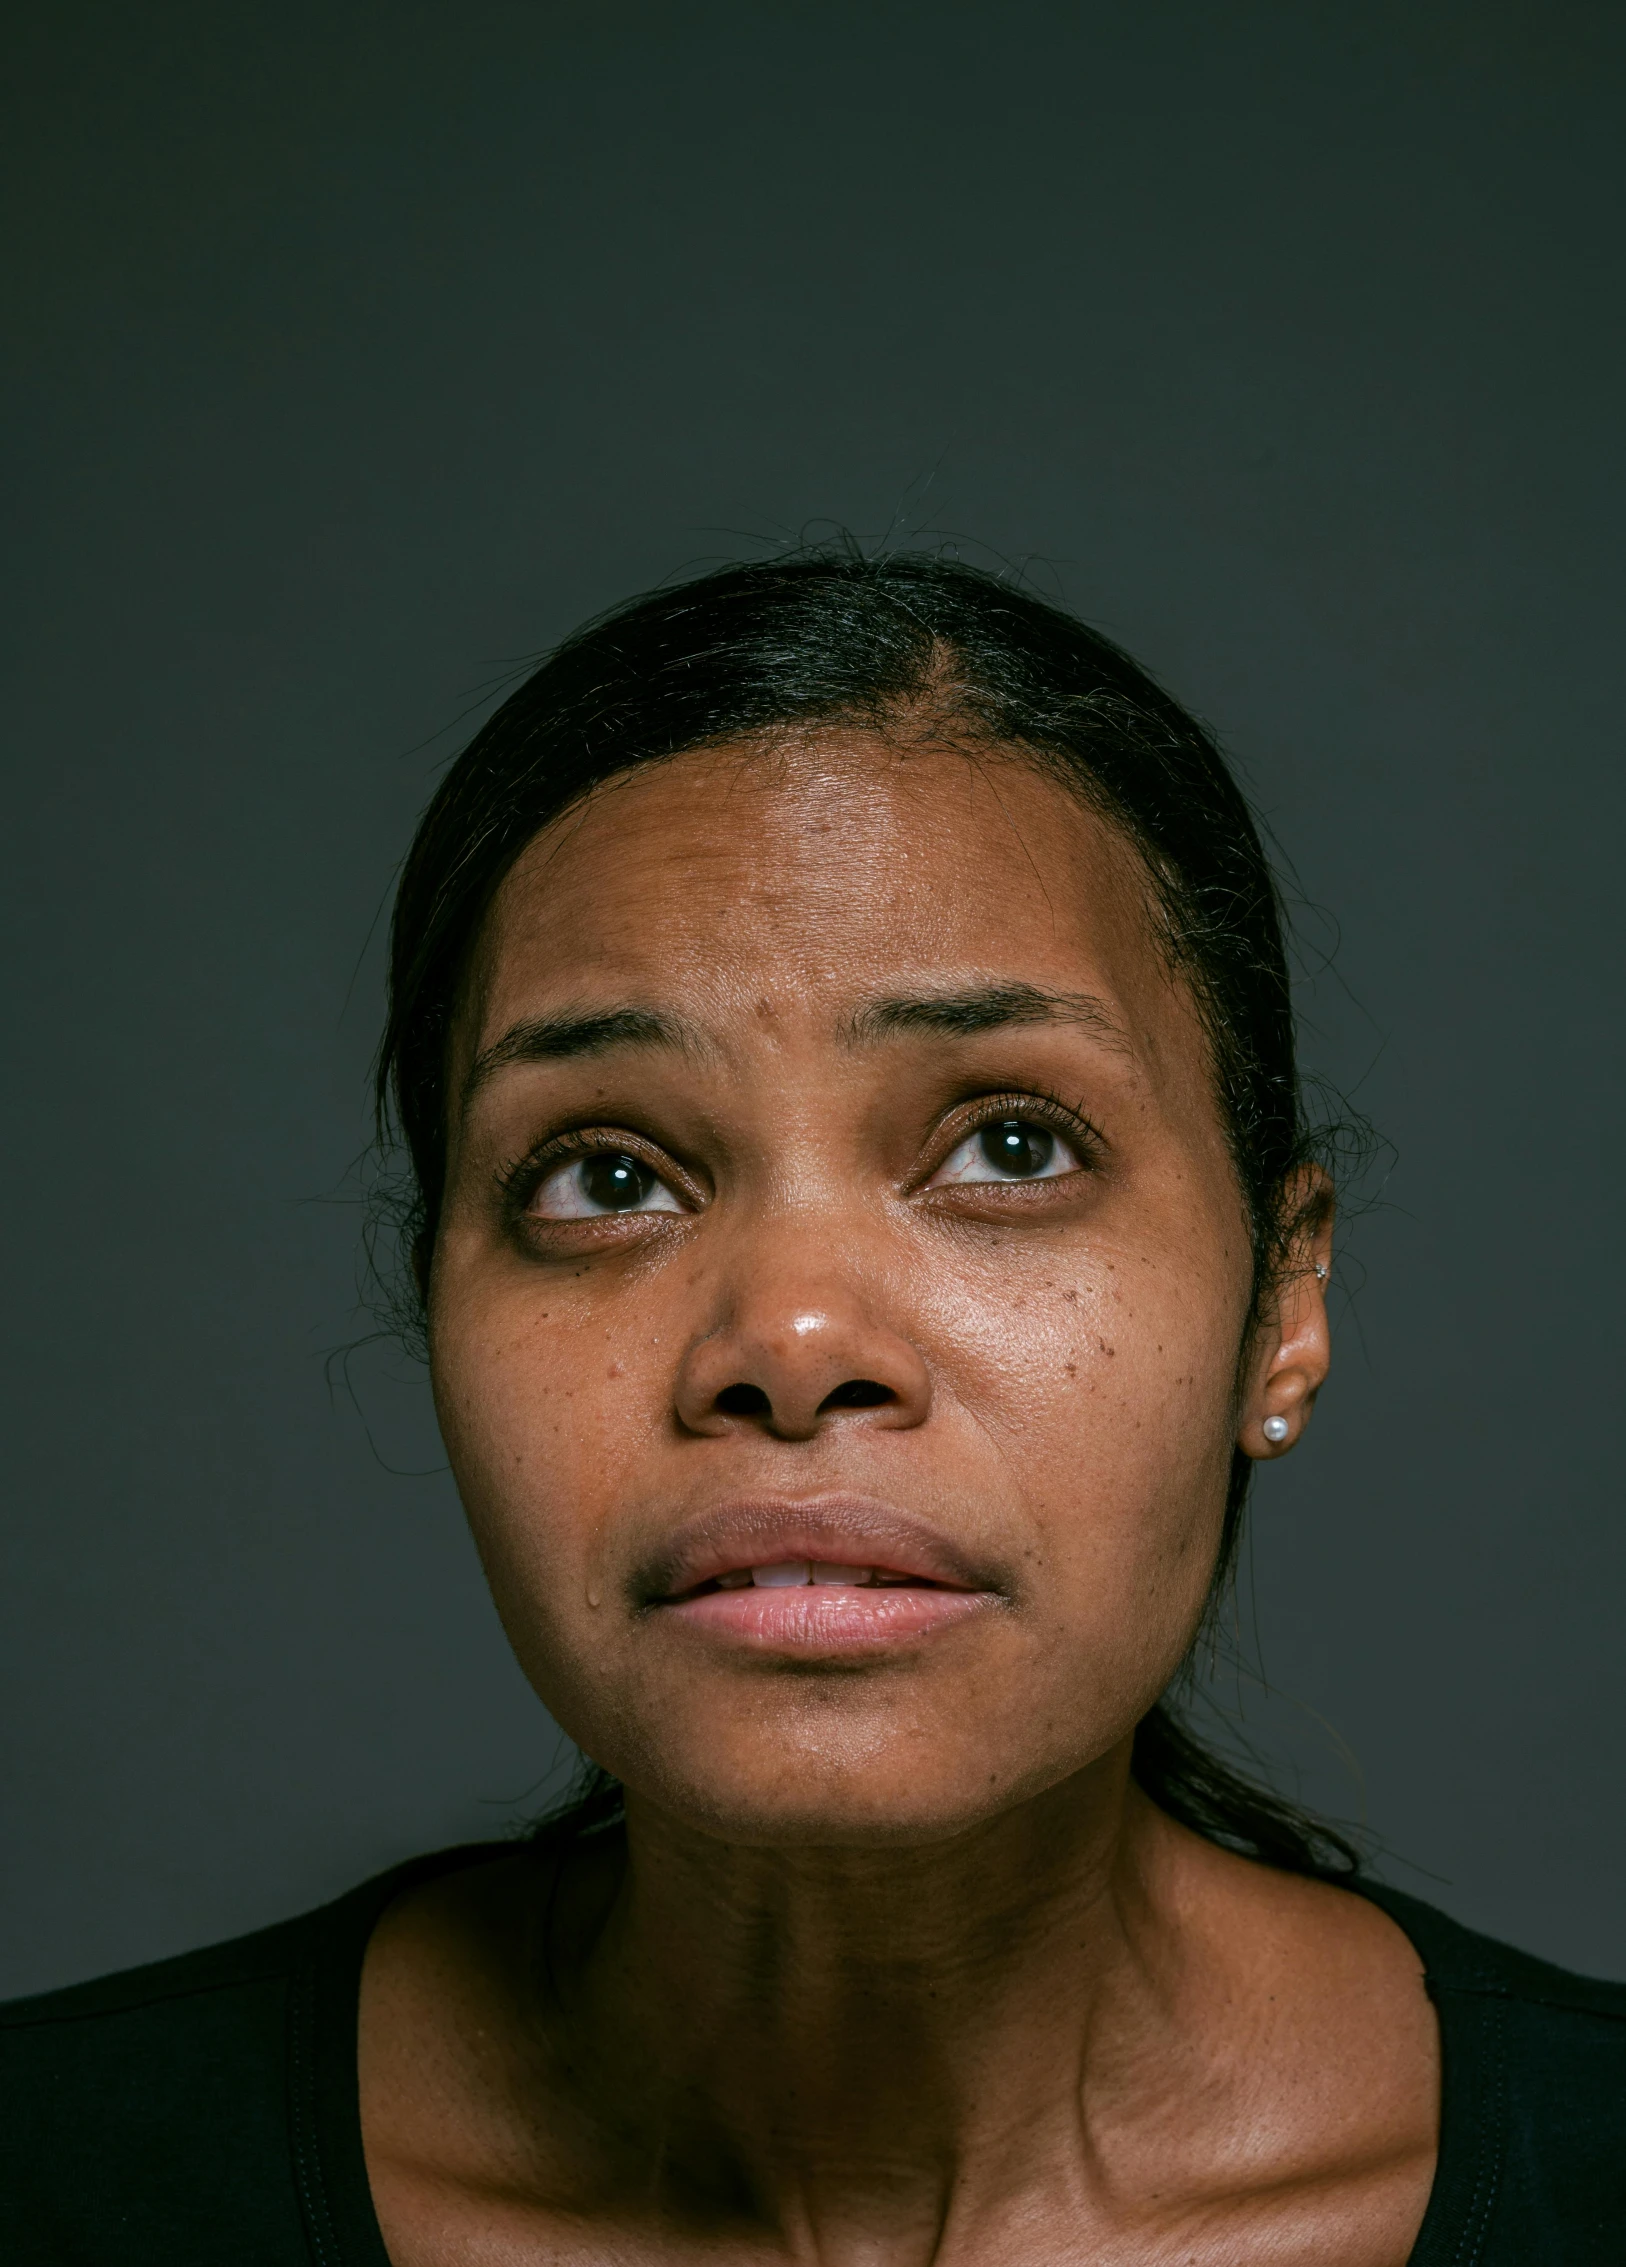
point(537, 1411)
point(545, 1425)
point(1108, 1394)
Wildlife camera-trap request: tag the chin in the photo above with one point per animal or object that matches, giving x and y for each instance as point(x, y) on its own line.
point(850, 1787)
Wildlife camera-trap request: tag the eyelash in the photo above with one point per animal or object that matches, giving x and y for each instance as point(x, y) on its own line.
point(519, 1181)
point(1037, 1104)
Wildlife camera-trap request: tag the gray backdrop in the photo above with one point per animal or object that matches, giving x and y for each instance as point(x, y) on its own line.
point(357, 350)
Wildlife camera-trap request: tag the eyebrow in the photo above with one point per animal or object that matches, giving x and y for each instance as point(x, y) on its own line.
point(560, 1038)
point(988, 1007)
point(948, 1015)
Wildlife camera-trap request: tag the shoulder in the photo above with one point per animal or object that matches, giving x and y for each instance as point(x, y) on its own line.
point(160, 2018)
point(156, 2114)
point(1534, 2093)
point(146, 2108)
point(53, 2015)
point(1550, 2004)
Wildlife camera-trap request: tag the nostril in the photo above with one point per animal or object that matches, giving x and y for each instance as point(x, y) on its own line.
point(857, 1393)
point(742, 1401)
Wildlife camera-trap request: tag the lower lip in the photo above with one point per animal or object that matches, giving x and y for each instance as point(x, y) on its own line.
point(826, 1617)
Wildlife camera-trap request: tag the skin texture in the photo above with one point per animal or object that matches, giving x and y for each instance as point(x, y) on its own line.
point(893, 1962)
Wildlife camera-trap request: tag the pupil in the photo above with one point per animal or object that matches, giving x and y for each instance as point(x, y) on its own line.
point(616, 1183)
point(1017, 1148)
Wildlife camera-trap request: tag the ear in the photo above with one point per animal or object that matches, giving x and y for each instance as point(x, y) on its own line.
point(1291, 1352)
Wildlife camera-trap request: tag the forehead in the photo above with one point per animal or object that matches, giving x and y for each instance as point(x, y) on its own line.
point(803, 878)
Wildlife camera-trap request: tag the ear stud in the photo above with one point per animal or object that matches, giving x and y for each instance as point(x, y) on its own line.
point(1320, 1271)
point(1275, 1429)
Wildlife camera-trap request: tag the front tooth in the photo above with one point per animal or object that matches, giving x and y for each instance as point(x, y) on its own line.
point(790, 1576)
point(843, 1574)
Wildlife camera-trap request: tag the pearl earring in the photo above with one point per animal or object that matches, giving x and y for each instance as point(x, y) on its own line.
point(1275, 1429)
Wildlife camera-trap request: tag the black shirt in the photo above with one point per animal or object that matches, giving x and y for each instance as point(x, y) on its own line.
point(203, 2112)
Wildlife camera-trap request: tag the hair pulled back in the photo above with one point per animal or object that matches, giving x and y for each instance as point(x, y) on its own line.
point(828, 637)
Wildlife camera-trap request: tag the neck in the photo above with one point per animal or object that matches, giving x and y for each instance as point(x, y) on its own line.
point(848, 2033)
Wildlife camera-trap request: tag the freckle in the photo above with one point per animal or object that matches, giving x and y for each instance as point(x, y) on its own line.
point(1072, 1369)
point(614, 1370)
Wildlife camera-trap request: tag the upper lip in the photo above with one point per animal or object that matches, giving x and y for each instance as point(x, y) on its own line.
point(835, 1530)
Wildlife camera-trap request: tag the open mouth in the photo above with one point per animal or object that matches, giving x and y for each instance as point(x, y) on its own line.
point(803, 1574)
point(821, 1580)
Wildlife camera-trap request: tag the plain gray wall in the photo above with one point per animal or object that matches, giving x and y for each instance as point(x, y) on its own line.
point(355, 351)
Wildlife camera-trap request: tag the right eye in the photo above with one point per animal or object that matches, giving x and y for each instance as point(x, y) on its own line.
point(599, 1186)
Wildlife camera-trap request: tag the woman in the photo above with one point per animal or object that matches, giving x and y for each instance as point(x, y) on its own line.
point(867, 1235)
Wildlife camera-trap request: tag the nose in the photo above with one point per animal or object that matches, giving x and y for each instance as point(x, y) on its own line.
point(796, 1350)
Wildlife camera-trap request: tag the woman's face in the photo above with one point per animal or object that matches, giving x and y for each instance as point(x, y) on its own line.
point(837, 1312)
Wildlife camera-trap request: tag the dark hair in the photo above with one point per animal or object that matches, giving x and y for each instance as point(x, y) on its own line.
point(826, 637)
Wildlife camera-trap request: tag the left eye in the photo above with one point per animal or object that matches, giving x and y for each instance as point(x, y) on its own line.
point(606, 1182)
point(1014, 1149)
